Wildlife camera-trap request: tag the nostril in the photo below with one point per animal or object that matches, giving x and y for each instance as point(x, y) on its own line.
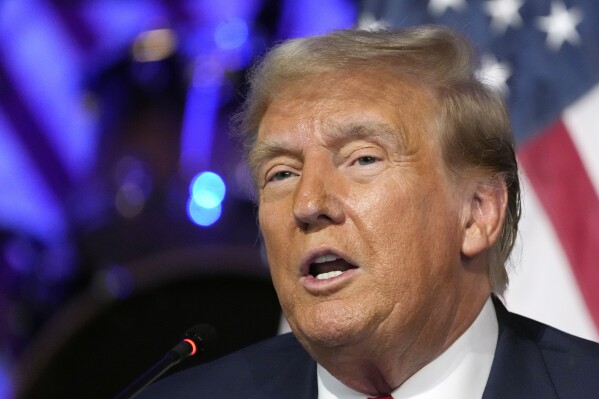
point(302, 225)
point(319, 220)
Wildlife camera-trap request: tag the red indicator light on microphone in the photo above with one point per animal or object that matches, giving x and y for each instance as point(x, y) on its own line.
point(194, 347)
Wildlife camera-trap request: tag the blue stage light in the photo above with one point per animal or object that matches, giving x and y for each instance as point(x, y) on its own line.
point(203, 216)
point(207, 190)
point(53, 94)
point(26, 203)
point(231, 34)
point(199, 121)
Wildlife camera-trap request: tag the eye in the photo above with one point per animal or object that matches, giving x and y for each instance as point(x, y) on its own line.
point(366, 160)
point(282, 175)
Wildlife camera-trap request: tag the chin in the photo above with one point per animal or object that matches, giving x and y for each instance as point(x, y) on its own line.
point(330, 328)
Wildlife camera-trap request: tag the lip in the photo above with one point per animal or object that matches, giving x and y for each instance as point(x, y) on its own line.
point(326, 287)
point(319, 287)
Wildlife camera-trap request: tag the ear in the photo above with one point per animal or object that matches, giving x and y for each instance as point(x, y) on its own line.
point(484, 215)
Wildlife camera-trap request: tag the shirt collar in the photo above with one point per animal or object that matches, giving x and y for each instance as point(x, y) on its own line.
point(461, 372)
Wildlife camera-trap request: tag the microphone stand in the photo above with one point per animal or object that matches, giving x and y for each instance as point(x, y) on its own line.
point(194, 342)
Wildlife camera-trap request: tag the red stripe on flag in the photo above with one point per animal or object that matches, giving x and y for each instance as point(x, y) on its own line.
point(566, 192)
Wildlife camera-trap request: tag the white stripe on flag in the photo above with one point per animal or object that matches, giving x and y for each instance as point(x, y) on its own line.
point(582, 121)
point(542, 286)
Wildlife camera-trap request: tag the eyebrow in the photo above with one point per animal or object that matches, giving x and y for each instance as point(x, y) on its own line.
point(265, 150)
point(336, 134)
point(368, 131)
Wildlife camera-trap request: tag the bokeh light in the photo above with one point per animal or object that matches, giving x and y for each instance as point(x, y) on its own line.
point(231, 34)
point(129, 200)
point(203, 216)
point(118, 281)
point(154, 45)
point(207, 190)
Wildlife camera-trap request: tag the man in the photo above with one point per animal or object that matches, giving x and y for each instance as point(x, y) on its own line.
point(389, 203)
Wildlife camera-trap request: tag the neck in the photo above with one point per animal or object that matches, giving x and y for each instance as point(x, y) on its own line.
point(377, 369)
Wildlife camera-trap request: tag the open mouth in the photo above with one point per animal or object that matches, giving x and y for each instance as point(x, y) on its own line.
point(329, 266)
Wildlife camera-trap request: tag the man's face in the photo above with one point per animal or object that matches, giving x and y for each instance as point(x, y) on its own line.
point(361, 222)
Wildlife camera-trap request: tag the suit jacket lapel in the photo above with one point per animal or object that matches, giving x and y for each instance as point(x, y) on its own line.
point(294, 378)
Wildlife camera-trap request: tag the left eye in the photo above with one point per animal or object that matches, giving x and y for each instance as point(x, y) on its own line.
point(366, 160)
point(281, 175)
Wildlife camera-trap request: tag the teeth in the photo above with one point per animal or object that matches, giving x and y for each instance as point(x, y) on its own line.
point(324, 276)
point(326, 258)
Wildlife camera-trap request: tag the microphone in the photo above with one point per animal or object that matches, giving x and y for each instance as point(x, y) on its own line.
point(196, 340)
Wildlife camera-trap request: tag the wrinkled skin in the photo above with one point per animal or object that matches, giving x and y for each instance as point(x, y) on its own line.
point(350, 166)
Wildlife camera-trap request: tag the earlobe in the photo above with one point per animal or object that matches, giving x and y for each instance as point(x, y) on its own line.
point(484, 215)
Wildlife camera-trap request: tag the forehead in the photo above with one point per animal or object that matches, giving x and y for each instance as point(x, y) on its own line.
point(349, 86)
point(319, 107)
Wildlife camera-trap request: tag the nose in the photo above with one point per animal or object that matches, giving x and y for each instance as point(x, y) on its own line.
point(318, 200)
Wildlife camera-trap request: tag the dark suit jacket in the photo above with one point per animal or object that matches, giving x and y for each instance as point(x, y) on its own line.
point(532, 360)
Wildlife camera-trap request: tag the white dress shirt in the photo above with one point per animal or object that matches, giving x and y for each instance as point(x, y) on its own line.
point(461, 372)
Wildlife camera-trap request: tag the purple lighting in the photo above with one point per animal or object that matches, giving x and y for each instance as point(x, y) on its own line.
point(52, 93)
point(313, 17)
point(29, 205)
point(6, 388)
point(200, 116)
point(231, 34)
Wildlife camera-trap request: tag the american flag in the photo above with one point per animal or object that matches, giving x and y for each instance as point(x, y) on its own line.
point(544, 56)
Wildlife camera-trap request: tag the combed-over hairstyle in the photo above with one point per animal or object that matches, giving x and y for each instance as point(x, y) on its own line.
point(473, 124)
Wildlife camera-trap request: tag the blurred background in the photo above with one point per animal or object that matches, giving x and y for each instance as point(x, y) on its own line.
point(126, 212)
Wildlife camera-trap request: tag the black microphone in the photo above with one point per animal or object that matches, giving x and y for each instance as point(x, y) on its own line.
point(195, 341)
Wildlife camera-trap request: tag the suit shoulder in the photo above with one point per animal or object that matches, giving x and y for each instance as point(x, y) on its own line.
point(552, 339)
point(275, 346)
point(571, 362)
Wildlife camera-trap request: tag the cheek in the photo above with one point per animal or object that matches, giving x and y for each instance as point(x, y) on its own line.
point(386, 211)
point(410, 228)
point(277, 243)
point(271, 220)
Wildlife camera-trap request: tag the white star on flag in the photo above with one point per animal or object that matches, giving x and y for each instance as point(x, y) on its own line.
point(494, 73)
point(560, 25)
point(438, 7)
point(504, 13)
point(368, 21)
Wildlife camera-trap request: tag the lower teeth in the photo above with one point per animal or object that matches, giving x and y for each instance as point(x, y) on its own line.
point(324, 276)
